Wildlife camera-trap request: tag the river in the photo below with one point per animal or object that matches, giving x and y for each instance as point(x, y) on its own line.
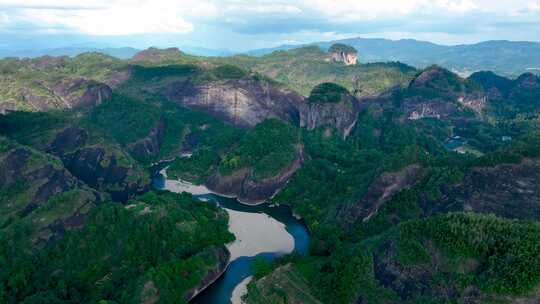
point(260, 231)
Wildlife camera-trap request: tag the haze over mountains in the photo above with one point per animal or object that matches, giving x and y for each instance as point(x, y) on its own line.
point(508, 58)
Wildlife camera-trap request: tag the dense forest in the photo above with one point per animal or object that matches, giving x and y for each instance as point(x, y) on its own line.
point(431, 196)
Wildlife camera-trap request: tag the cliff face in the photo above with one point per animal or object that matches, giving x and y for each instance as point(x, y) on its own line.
point(222, 256)
point(347, 58)
point(155, 55)
point(149, 146)
point(439, 93)
point(508, 190)
point(81, 93)
point(341, 115)
point(102, 167)
point(380, 191)
point(68, 93)
point(37, 190)
point(243, 103)
point(249, 191)
point(343, 53)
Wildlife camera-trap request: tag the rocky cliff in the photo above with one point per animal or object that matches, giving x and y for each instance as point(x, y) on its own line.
point(38, 191)
point(329, 106)
point(222, 256)
point(155, 55)
point(103, 167)
point(343, 53)
point(149, 147)
point(241, 185)
point(507, 190)
point(439, 93)
point(243, 102)
point(68, 93)
point(380, 191)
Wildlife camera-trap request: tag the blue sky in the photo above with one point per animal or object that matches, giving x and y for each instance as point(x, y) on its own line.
point(242, 25)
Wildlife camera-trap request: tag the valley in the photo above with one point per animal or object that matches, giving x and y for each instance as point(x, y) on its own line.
point(172, 178)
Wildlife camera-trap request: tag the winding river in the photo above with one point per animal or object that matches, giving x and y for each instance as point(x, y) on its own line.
point(260, 231)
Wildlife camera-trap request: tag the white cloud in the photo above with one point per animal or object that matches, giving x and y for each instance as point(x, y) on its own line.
point(461, 6)
point(126, 17)
point(534, 6)
point(4, 19)
point(119, 17)
point(358, 10)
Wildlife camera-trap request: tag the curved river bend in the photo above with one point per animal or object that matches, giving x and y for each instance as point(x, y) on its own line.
point(261, 231)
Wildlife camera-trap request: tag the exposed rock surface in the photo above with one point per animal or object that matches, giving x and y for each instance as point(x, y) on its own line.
point(68, 93)
point(419, 108)
point(37, 189)
point(149, 146)
point(82, 93)
point(343, 53)
point(439, 93)
point(381, 190)
point(249, 191)
point(155, 55)
point(222, 256)
point(244, 102)
point(101, 167)
point(508, 190)
point(341, 116)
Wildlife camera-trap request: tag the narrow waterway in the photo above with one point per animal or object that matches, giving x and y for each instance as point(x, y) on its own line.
point(260, 231)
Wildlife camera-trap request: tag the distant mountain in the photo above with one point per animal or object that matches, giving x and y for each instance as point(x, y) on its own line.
point(122, 53)
point(507, 58)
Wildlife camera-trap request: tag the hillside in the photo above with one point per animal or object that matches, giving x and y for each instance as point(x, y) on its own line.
point(306, 67)
point(416, 186)
point(507, 58)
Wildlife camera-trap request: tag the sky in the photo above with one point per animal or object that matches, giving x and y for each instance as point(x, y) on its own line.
point(240, 25)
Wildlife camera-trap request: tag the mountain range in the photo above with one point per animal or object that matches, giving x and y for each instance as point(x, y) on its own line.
point(508, 58)
point(417, 185)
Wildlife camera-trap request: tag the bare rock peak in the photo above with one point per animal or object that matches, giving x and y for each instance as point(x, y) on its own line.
point(343, 53)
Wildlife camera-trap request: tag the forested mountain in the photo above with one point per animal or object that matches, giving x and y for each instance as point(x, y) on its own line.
point(416, 185)
point(508, 58)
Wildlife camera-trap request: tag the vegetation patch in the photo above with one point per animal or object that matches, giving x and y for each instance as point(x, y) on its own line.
point(327, 93)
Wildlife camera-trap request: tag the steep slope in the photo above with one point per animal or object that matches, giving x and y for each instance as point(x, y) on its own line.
point(85, 151)
point(160, 247)
point(331, 106)
point(510, 98)
point(304, 68)
point(226, 92)
point(39, 195)
point(438, 93)
point(509, 58)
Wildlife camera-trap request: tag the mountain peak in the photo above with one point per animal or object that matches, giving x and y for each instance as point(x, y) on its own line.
point(340, 52)
point(154, 55)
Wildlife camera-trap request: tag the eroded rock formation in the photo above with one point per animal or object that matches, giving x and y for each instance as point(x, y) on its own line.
point(244, 102)
point(343, 53)
point(241, 185)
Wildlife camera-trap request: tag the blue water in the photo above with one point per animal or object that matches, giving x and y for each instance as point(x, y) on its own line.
point(221, 290)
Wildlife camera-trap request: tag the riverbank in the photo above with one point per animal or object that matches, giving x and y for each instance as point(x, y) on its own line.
point(260, 231)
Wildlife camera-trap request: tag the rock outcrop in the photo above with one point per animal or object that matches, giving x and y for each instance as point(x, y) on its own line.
point(343, 53)
point(340, 113)
point(149, 147)
point(507, 190)
point(222, 256)
point(37, 189)
point(439, 93)
point(380, 191)
point(243, 102)
point(102, 167)
point(240, 184)
point(68, 93)
point(419, 108)
point(155, 55)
